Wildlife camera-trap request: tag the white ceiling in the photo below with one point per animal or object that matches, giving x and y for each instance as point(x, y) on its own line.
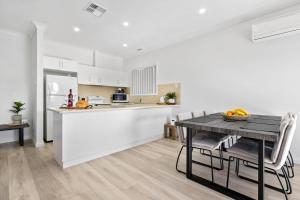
point(153, 23)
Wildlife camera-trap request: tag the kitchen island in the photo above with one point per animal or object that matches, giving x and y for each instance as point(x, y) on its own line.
point(83, 135)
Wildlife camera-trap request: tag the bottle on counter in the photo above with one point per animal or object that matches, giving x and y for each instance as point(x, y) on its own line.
point(70, 99)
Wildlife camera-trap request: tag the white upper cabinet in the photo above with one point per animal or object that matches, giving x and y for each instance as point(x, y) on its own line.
point(121, 79)
point(59, 64)
point(84, 73)
point(51, 63)
point(88, 75)
point(68, 65)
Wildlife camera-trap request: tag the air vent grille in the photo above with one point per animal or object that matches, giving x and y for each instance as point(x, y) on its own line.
point(95, 9)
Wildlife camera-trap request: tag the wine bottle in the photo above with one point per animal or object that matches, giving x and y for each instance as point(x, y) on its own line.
point(70, 99)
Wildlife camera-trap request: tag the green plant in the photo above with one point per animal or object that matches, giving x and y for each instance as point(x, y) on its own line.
point(17, 107)
point(171, 95)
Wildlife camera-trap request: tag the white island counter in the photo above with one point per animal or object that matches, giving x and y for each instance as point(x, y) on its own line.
point(83, 135)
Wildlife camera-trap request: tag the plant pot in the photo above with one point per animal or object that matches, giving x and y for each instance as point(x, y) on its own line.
point(172, 101)
point(17, 119)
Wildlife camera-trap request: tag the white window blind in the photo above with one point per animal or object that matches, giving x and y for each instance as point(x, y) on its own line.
point(143, 81)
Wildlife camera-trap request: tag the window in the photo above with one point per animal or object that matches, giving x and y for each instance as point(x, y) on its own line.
point(143, 81)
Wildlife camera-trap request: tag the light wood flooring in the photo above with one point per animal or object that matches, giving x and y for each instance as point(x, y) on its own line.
point(146, 172)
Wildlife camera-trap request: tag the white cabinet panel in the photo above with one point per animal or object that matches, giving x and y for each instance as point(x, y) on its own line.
point(84, 74)
point(59, 64)
point(51, 63)
point(121, 79)
point(89, 75)
point(68, 65)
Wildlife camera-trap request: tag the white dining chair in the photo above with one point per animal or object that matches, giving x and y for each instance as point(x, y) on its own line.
point(200, 141)
point(290, 160)
point(275, 158)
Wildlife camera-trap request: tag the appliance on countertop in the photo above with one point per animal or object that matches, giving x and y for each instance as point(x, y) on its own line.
point(96, 100)
point(120, 96)
point(57, 88)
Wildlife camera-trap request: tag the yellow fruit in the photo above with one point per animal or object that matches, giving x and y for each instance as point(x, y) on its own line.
point(82, 104)
point(242, 111)
point(229, 113)
point(236, 112)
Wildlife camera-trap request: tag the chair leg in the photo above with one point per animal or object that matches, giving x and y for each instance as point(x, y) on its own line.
point(228, 172)
point(221, 158)
point(283, 190)
point(287, 181)
point(285, 175)
point(237, 167)
point(290, 166)
point(212, 167)
point(178, 160)
point(292, 159)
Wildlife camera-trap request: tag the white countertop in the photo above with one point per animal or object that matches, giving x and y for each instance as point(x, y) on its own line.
point(112, 108)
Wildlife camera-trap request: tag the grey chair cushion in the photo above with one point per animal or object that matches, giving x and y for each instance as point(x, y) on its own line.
point(208, 141)
point(248, 150)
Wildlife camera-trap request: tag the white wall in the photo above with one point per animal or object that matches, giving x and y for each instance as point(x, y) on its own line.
point(15, 79)
point(225, 70)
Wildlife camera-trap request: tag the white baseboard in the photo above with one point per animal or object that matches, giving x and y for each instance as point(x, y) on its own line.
point(39, 144)
point(101, 154)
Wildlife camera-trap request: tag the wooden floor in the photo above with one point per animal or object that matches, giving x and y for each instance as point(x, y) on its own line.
point(145, 172)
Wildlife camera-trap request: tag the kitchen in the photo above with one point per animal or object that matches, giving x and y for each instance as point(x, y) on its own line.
point(83, 100)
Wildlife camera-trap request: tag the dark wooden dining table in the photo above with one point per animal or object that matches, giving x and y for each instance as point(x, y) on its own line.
point(260, 128)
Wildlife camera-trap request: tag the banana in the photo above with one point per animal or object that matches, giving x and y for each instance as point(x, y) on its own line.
point(241, 110)
point(239, 113)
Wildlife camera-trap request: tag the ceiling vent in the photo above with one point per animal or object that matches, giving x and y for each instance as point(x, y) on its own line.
point(95, 9)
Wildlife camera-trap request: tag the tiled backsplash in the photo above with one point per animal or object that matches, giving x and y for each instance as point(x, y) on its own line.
point(162, 90)
point(94, 90)
point(107, 92)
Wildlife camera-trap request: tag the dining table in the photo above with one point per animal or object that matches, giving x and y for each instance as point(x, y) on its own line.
point(260, 128)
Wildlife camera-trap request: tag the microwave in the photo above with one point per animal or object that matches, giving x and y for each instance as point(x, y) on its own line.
point(120, 98)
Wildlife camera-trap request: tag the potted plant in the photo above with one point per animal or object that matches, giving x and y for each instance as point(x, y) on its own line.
point(171, 97)
point(17, 108)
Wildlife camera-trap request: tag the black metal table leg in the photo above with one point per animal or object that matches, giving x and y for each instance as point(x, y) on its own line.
point(189, 150)
point(21, 136)
point(261, 171)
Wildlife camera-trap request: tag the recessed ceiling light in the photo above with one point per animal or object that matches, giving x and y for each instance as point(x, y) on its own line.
point(76, 29)
point(125, 24)
point(202, 11)
point(125, 45)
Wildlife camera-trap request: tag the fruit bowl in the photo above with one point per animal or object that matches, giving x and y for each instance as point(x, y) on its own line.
point(238, 114)
point(236, 117)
